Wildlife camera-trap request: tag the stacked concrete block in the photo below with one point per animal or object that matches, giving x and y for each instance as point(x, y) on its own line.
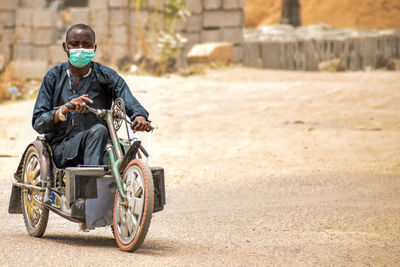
point(56, 54)
point(22, 52)
point(287, 48)
point(41, 53)
point(155, 22)
point(30, 69)
point(119, 16)
point(7, 18)
point(43, 32)
point(35, 32)
point(195, 6)
point(216, 21)
point(119, 34)
point(311, 62)
point(338, 48)
point(98, 13)
point(211, 35)
point(136, 21)
point(33, 3)
point(121, 31)
point(8, 34)
point(5, 49)
point(211, 52)
point(233, 4)
point(8, 5)
point(303, 49)
point(210, 21)
point(238, 53)
point(212, 4)
point(252, 55)
point(99, 20)
point(79, 15)
point(119, 12)
point(395, 44)
point(30, 29)
point(291, 49)
point(192, 39)
point(101, 28)
point(118, 3)
point(234, 35)
point(194, 23)
point(23, 48)
point(221, 18)
point(24, 17)
point(155, 5)
point(43, 36)
point(353, 54)
point(7, 26)
point(23, 35)
point(392, 46)
point(326, 49)
point(43, 18)
point(270, 54)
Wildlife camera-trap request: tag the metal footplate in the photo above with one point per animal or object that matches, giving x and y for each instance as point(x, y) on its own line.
point(159, 188)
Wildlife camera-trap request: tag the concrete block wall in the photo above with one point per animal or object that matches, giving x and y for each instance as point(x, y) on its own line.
point(7, 26)
point(33, 30)
point(210, 21)
point(304, 49)
point(27, 33)
point(216, 21)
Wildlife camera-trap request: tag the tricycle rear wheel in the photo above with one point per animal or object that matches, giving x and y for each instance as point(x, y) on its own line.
point(132, 216)
point(35, 213)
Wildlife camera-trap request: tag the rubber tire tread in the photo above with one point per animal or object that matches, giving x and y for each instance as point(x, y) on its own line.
point(148, 207)
point(41, 227)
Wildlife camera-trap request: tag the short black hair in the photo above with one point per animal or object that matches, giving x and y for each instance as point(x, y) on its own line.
point(80, 26)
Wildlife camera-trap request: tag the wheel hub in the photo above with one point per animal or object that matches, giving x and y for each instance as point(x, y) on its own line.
point(33, 198)
point(130, 211)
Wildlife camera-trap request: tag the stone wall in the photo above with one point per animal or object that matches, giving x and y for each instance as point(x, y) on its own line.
point(285, 47)
point(32, 31)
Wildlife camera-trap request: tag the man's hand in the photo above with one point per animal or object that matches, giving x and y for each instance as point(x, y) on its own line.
point(141, 124)
point(79, 103)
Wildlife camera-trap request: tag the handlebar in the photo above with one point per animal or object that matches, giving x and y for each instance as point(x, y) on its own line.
point(71, 106)
point(99, 112)
point(93, 110)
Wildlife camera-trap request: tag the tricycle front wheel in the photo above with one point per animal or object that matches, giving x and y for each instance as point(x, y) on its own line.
point(132, 216)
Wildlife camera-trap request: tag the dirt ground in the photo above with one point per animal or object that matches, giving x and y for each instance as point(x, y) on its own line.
point(262, 168)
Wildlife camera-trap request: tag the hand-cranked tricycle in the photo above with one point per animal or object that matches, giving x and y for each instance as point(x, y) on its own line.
point(123, 194)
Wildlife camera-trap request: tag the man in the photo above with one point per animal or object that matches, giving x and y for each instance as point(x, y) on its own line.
point(75, 136)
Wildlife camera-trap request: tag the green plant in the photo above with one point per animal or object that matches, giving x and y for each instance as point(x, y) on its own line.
point(138, 4)
point(170, 41)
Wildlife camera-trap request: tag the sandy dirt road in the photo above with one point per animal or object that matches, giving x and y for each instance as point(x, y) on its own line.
point(262, 168)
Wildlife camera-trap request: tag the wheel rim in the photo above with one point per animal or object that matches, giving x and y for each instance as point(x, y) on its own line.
point(129, 213)
point(32, 198)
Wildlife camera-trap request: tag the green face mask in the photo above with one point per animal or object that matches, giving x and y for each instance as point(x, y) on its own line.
point(80, 57)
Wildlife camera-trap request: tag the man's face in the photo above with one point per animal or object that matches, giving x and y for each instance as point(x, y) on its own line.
point(78, 38)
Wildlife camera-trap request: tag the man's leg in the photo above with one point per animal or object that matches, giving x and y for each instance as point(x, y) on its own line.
point(94, 144)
